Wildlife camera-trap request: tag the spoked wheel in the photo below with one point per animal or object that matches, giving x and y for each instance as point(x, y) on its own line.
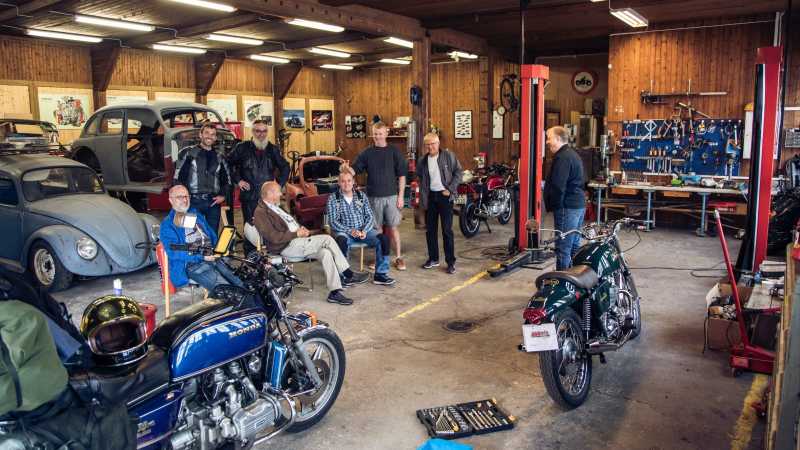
point(326, 351)
point(567, 372)
point(506, 216)
point(468, 220)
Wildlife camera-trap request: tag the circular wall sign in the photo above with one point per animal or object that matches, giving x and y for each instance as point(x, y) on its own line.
point(584, 81)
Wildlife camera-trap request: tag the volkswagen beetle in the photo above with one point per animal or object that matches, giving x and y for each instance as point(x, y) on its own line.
point(57, 221)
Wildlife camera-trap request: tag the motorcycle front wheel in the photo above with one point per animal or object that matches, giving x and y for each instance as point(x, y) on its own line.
point(327, 352)
point(506, 216)
point(567, 372)
point(468, 220)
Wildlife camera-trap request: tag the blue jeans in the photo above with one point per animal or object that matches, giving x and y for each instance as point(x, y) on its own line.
point(373, 239)
point(566, 220)
point(209, 274)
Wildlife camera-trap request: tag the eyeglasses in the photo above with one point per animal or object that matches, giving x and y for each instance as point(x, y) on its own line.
point(257, 130)
point(180, 197)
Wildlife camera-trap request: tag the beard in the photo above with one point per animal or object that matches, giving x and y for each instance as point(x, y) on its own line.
point(183, 209)
point(260, 144)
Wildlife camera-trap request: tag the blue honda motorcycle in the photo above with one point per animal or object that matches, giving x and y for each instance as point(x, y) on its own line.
point(229, 372)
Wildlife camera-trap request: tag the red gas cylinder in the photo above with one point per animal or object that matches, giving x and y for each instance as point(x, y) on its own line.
point(414, 194)
point(149, 311)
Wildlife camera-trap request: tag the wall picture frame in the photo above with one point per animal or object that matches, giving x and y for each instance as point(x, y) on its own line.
point(463, 125)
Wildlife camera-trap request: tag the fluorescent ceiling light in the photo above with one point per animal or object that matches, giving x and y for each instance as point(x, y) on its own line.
point(404, 62)
point(325, 51)
point(630, 17)
point(178, 49)
point(233, 39)
point(463, 55)
point(208, 5)
point(113, 23)
point(597, 1)
point(65, 36)
point(336, 67)
point(266, 58)
point(316, 25)
point(400, 42)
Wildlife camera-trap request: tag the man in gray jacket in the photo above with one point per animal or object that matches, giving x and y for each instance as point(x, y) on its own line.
point(439, 176)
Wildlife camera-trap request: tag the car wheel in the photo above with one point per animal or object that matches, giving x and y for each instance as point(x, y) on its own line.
point(47, 269)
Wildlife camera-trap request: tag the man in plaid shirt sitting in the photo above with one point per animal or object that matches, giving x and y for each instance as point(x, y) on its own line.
point(351, 221)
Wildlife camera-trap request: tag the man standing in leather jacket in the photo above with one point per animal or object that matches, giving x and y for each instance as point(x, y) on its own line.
point(204, 172)
point(252, 164)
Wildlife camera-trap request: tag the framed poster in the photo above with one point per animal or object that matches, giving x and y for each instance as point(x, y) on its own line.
point(176, 96)
point(294, 119)
point(321, 120)
point(355, 126)
point(257, 109)
point(225, 105)
point(67, 108)
point(463, 125)
point(119, 97)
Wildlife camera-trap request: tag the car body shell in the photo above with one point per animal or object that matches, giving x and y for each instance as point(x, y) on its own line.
point(307, 197)
point(61, 221)
point(27, 134)
point(109, 152)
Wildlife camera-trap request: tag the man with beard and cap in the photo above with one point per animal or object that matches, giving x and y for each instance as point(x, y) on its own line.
point(252, 164)
point(184, 225)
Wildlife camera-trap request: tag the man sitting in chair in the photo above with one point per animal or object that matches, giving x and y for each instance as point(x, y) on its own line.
point(352, 222)
point(282, 234)
point(184, 225)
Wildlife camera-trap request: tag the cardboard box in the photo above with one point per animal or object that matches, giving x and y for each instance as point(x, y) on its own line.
point(722, 334)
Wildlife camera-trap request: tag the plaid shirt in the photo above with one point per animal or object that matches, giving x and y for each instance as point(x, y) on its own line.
point(343, 216)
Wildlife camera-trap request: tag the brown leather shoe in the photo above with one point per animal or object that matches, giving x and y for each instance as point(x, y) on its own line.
point(399, 264)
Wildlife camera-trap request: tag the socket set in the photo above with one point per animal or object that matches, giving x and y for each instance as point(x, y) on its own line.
point(465, 419)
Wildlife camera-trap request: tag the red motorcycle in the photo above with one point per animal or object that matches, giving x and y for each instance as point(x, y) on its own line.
point(487, 194)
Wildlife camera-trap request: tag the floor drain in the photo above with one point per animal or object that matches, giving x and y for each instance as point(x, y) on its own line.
point(460, 326)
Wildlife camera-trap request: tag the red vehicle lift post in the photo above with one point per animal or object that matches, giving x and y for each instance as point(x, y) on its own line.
point(528, 203)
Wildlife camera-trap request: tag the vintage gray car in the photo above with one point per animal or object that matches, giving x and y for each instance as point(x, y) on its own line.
point(57, 221)
point(134, 145)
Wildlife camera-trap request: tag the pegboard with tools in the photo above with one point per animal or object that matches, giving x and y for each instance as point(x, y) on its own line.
point(465, 419)
point(663, 146)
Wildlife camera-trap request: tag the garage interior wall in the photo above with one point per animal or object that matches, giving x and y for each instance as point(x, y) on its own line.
point(560, 96)
point(715, 59)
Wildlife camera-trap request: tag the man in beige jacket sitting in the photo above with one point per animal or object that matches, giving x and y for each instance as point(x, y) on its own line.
point(282, 234)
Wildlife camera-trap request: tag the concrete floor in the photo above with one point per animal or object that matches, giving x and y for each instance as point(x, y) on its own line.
point(658, 392)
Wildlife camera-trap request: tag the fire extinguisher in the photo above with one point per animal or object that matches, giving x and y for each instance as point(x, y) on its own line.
point(415, 194)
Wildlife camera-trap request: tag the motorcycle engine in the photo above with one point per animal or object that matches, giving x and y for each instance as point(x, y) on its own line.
point(227, 407)
point(613, 319)
point(498, 202)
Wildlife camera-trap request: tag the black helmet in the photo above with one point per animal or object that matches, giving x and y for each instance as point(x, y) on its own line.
point(114, 327)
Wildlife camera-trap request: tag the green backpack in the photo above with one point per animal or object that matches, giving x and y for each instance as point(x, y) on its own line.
point(31, 373)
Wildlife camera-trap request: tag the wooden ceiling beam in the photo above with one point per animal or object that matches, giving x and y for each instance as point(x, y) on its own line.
point(206, 68)
point(337, 38)
point(236, 21)
point(104, 59)
point(27, 9)
point(283, 77)
point(458, 40)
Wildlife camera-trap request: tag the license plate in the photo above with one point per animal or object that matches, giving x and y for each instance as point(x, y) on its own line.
point(540, 338)
point(461, 199)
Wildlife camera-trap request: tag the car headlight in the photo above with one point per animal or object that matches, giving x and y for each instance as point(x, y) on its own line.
point(87, 248)
point(155, 230)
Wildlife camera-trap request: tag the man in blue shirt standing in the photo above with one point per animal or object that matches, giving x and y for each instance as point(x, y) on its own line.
point(351, 221)
point(563, 194)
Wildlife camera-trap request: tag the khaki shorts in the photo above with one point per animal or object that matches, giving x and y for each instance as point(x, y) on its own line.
point(385, 211)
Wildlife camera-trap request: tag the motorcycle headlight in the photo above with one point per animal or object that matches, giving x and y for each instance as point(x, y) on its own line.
point(86, 247)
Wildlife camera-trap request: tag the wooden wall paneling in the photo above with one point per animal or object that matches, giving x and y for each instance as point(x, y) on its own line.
point(503, 150)
point(560, 94)
point(154, 69)
point(421, 113)
point(312, 82)
point(15, 101)
point(321, 140)
point(298, 140)
point(179, 96)
point(244, 76)
point(456, 87)
point(381, 91)
point(41, 61)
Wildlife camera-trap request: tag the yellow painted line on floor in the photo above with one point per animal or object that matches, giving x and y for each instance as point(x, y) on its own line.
point(439, 297)
point(748, 417)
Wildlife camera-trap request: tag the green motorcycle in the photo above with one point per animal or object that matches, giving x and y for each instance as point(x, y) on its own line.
point(584, 311)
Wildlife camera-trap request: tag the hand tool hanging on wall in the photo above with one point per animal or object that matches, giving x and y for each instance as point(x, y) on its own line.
point(652, 98)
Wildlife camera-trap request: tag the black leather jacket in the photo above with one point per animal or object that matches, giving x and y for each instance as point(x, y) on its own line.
point(247, 165)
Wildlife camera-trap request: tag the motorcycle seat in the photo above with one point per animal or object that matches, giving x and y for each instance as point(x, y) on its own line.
point(125, 384)
point(168, 331)
point(581, 276)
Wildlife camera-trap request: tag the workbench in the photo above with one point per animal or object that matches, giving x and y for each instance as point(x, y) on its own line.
point(648, 189)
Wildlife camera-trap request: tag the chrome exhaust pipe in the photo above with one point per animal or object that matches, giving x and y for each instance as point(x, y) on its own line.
point(597, 347)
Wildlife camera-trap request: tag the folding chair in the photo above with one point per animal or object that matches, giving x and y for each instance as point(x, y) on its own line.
point(254, 237)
